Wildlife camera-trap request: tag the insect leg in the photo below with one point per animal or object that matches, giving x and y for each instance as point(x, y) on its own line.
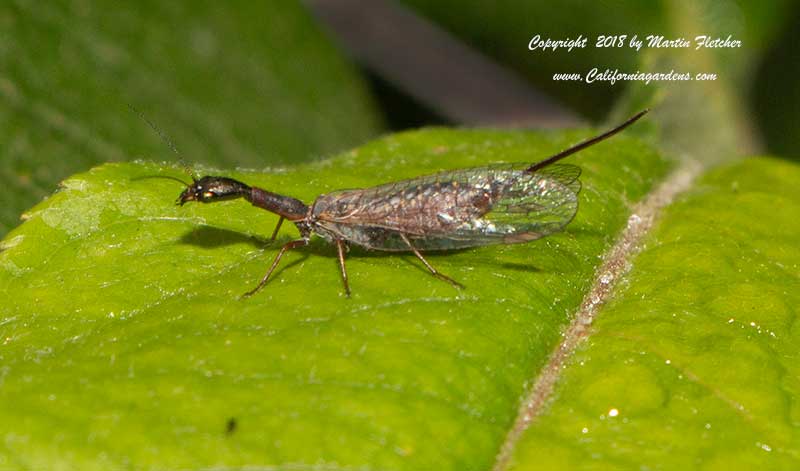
point(340, 247)
point(434, 272)
point(275, 232)
point(288, 246)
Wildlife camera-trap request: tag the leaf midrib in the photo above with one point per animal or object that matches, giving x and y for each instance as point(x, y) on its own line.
point(616, 262)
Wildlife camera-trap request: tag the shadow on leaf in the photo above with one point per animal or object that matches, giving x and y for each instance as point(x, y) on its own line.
point(210, 237)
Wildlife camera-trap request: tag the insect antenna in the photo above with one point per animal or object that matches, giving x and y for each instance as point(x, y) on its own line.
point(586, 143)
point(170, 144)
point(167, 177)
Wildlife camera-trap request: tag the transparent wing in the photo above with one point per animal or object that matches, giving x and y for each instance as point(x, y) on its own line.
point(462, 208)
point(529, 206)
point(565, 174)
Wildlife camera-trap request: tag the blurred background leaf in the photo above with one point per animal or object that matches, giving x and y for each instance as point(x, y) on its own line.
point(503, 31)
point(233, 83)
point(749, 107)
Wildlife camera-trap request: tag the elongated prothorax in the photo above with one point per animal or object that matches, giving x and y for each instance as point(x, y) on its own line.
point(212, 189)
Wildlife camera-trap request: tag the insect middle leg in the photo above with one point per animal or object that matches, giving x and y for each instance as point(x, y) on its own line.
point(434, 272)
point(341, 247)
point(287, 246)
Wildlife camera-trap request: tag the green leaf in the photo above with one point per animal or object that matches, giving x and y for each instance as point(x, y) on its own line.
point(697, 352)
point(124, 341)
point(232, 83)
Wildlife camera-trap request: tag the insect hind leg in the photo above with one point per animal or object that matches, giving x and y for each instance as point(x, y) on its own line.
point(287, 246)
point(433, 271)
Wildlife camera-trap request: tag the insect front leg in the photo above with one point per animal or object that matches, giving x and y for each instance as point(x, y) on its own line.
point(434, 272)
point(341, 247)
point(288, 246)
point(277, 228)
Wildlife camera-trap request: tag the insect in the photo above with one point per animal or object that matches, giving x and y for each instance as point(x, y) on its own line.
point(455, 209)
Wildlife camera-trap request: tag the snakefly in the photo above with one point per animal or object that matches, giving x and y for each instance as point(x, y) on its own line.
point(453, 209)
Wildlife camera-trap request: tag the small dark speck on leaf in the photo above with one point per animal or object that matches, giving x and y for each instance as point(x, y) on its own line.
point(230, 426)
